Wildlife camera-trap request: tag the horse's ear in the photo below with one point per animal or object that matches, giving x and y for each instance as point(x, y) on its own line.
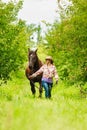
point(36, 50)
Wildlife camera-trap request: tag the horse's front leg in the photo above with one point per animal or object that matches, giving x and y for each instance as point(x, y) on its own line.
point(33, 88)
point(40, 90)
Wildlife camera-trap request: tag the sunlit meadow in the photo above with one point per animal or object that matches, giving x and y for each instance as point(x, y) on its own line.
point(67, 110)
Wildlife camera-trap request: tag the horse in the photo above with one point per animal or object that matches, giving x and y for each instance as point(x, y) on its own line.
point(34, 65)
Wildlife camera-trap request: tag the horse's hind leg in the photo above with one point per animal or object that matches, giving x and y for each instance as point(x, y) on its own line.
point(33, 88)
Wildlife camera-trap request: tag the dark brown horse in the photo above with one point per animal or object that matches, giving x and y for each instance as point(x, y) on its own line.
point(33, 66)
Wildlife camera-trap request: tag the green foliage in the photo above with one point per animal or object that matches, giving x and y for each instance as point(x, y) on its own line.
point(19, 110)
point(13, 39)
point(68, 43)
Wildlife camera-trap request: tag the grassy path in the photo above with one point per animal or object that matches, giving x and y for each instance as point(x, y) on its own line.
point(20, 111)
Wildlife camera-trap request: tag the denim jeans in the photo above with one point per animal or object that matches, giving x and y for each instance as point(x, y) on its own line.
point(47, 87)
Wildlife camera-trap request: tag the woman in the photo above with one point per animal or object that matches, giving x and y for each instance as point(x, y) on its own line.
point(49, 71)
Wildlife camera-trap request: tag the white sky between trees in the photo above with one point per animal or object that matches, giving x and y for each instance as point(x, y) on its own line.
point(35, 11)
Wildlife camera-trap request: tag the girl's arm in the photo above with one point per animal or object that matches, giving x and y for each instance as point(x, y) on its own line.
point(36, 73)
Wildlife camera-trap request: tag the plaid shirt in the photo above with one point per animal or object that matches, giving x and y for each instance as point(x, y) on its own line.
point(48, 72)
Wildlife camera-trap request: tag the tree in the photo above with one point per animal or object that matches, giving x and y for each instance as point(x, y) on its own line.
point(13, 38)
point(67, 43)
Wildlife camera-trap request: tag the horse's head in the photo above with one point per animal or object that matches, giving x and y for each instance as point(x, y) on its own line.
point(32, 56)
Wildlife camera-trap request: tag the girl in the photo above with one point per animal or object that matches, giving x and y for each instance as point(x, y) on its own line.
point(48, 71)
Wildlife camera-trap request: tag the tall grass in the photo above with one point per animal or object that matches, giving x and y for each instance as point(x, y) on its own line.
point(19, 110)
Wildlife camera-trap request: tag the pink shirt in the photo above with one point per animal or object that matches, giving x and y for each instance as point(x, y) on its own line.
point(48, 73)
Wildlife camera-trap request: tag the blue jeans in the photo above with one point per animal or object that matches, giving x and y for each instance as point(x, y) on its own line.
point(47, 87)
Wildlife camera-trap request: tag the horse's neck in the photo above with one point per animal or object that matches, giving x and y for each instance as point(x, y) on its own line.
point(40, 63)
point(36, 66)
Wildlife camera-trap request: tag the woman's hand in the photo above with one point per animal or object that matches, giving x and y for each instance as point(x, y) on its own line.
point(32, 76)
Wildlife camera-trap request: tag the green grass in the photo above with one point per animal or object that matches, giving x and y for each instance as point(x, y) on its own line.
point(20, 111)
